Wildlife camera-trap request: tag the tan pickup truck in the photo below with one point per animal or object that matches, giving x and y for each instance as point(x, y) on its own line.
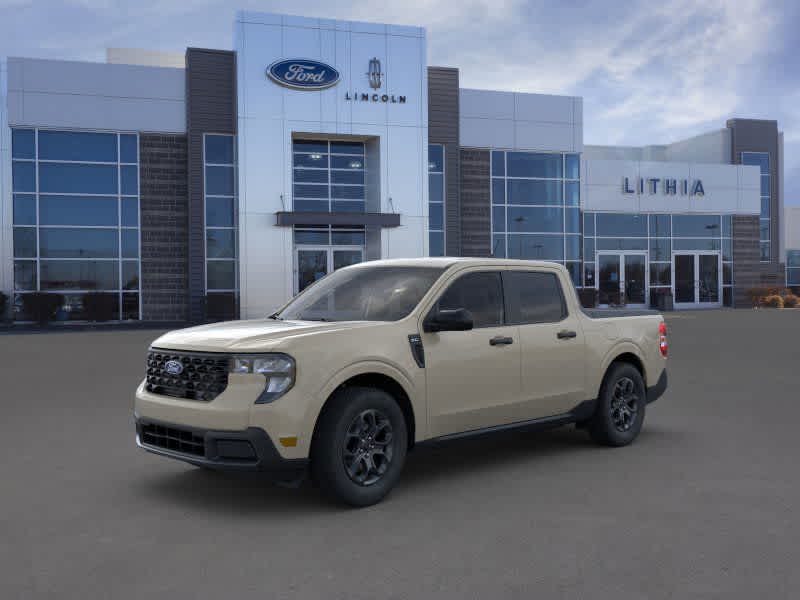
point(380, 357)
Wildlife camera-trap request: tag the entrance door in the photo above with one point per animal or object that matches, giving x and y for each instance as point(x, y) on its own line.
point(697, 279)
point(313, 263)
point(622, 279)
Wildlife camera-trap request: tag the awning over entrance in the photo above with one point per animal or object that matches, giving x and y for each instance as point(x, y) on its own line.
point(288, 219)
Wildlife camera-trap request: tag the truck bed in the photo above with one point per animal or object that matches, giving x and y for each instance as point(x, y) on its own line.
point(608, 313)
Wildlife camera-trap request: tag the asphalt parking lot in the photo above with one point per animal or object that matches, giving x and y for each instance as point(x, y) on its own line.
point(703, 505)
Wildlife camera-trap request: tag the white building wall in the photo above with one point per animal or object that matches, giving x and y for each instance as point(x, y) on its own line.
point(145, 58)
point(270, 114)
point(713, 147)
point(519, 121)
point(6, 205)
point(82, 95)
point(791, 228)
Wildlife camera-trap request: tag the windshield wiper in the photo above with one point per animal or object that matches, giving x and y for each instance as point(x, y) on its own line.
point(275, 317)
point(322, 319)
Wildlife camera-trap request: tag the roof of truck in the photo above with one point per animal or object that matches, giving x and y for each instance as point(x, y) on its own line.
point(448, 261)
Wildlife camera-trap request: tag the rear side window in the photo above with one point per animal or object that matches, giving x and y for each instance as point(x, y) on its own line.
point(479, 293)
point(534, 297)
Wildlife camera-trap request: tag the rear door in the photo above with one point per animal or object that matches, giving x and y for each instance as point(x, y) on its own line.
point(552, 344)
point(472, 376)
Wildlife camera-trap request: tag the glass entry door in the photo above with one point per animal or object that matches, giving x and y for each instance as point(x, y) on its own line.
point(697, 279)
point(312, 264)
point(622, 279)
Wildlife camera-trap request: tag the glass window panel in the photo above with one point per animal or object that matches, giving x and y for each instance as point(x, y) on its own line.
point(535, 219)
point(312, 175)
point(347, 148)
point(25, 275)
point(534, 297)
point(766, 251)
point(765, 185)
point(532, 164)
point(130, 243)
point(695, 244)
point(347, 192)
point(621, 243)
point(219, 149)
point(660, 249)
point(727, 273)
point(574, 269)
point(588, 249)
point(24, 209)
point(348, 206)
point(435, 158)
point(130, 307)
point(219, 212)
point(499, 246)
point(660, 226)
point(78, 146)
point(480, 294)
point(572, 245)
point(572, 220)
point(23, 176)
point(78, 243)
point(759, 159)
point(345, 162)
point(77, 210)
point(23, 143)
point(588, 224)
point(765, 207)
point(310, 146)
point(499, 218)
point(623, 225)
point(436, 216)
point(436, 187)
point(696, 225)
point(25, 242)
point(219, 181)
point(310, 191)
point(129, 183)
point(727, 226)
point(661, 274)
point(130, 212)
point(527, 191)
point(358, 177)
point(316, 161)
point(436, 243)
point(312, 237)
point(77, 179)
point(220, 243)
point(793, 277)
point(498, 191)
point(498, 163)
point(793, 258)
point(727, 296)
point(348, 238)
point(130, 274)
point(572, 189)
point(80, 275)
point(536, 247)
point(763, 229)
point(311, 205)
point(128, 148)
point(573, 166)
point(221, 274)
point(588, 274)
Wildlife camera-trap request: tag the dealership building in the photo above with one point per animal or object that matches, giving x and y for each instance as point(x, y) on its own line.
point(216, 184)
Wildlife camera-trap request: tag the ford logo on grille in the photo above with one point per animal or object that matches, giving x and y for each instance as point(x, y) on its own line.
point(173, 367)
point(303, 74)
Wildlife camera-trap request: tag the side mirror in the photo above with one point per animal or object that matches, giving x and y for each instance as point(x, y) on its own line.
point(459, 319)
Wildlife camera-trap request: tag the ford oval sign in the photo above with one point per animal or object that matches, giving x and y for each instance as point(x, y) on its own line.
point(173, 367)
point(303, 74)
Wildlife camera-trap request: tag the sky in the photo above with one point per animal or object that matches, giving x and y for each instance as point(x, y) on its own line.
point(649, 72)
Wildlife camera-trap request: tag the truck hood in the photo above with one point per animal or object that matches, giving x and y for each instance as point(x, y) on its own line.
point(259, 335)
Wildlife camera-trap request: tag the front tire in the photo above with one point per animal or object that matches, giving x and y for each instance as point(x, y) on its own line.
point(620, 407)
point(359, 447)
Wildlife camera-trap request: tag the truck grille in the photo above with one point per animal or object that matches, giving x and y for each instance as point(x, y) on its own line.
point(201, 376)
point(171, 438)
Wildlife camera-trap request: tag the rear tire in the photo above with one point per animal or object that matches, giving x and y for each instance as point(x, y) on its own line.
point(620, 408)
point(359, 447)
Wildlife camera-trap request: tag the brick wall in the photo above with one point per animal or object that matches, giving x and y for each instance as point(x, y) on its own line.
point(165, 227)
point(748, 271)
point(476, 208)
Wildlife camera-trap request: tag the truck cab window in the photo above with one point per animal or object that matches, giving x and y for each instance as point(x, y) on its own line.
point(534, 297)
point(479, 293)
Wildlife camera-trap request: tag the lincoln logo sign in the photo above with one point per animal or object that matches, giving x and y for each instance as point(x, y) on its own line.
point(669, 187)
point(302, 74)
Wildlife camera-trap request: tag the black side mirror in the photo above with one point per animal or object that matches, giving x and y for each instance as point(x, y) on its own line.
point(459, 319)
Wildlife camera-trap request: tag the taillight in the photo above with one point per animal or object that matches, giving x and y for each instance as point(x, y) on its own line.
point(662, 338)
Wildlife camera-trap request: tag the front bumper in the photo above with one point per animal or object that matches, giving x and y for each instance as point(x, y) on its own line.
point(656, 391)
point(247, 450)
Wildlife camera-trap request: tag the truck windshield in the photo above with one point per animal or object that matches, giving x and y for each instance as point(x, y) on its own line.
point(363, 293)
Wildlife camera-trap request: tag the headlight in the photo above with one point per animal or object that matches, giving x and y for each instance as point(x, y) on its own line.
point(277, 369)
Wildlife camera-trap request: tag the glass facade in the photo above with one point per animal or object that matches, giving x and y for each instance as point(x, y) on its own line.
point(793, 268)
point(221, 224)
point(536, 207)
point(76, 219)
point(328, 176)
point(436, 200)
point(761, 160)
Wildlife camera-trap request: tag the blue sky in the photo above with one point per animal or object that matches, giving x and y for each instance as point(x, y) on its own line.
point(649, 72)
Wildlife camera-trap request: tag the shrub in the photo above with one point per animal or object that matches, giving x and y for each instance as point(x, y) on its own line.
point(98, 306)
point(3, 306)
point(773, 301)
point(41, 306)
point(790, 301)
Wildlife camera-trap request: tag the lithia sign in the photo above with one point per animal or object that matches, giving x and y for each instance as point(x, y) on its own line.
point(306, 74)
point(667, 186)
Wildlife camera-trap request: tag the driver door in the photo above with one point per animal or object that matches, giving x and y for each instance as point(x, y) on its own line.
point(472, 376)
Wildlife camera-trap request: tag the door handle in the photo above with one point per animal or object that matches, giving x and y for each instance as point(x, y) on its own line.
point(566, 335)
point(501, 341)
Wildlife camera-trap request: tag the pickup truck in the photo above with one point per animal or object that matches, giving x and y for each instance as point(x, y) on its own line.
point(381, 357)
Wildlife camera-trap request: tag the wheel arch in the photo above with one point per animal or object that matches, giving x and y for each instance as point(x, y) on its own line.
point(623, 353)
